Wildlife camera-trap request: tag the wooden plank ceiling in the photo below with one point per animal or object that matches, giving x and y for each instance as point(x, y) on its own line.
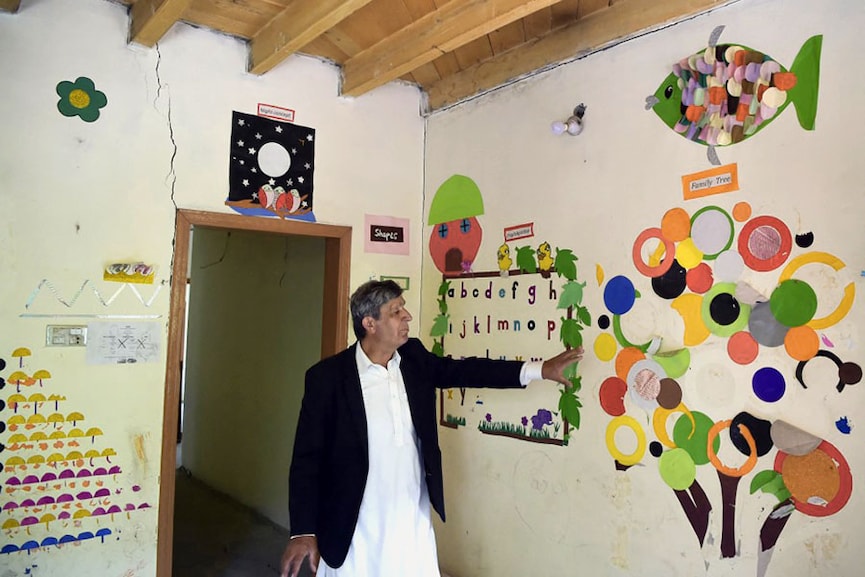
point(452, 49)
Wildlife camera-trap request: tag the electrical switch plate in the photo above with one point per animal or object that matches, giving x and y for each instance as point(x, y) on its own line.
point(66, 336)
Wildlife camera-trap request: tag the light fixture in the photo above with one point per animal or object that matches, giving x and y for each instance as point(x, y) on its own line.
point(573, 125)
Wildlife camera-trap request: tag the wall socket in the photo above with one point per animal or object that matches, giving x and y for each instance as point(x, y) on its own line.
point(66, 336)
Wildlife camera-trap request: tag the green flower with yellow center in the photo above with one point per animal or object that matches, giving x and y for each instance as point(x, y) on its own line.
point(80, 98)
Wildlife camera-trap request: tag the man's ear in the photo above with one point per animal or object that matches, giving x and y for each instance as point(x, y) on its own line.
point(369, 324)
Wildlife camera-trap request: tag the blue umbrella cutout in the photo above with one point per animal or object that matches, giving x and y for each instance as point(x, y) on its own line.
point(10, 548)
point(49, 541)
point(29, 545)
point(67, 539)
point(85, 535)
point(103, 533)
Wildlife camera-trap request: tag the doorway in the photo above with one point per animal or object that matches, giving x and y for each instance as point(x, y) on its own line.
point(334, 328)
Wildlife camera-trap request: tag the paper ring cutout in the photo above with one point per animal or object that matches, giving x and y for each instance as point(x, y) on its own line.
point(836, 264)
point(749, 464)
point(832, 357)
point(622, 339)
point(716, 328)
point(729, 242)
point(659, 423)
point(669, 253)
point(752, 261)
point(631, 423)
point(845, 486)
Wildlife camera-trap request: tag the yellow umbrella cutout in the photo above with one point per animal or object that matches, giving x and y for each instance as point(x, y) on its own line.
point(74, 417)
point(20, 353)
point(18, 378)
point(14, 400)
point(40, 375)
point(93, 432)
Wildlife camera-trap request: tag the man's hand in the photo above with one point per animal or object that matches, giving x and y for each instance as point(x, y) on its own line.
point(554, 368)
point(298, 549)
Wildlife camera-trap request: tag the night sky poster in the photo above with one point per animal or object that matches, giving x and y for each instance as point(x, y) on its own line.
point(271, 167)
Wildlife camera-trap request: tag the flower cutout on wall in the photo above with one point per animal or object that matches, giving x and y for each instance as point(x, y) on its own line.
point(80, 98)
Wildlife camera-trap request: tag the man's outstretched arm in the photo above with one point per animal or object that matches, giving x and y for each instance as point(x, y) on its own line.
point(554, 368)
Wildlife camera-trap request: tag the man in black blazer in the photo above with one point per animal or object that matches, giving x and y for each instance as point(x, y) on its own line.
point(331, 461)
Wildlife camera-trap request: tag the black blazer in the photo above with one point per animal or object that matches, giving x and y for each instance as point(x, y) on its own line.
point(330, 462)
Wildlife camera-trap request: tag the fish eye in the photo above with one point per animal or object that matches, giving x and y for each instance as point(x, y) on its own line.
point(668, 91)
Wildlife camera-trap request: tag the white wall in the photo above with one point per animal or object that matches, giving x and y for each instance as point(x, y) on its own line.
point(77, 196)
point(516, 508)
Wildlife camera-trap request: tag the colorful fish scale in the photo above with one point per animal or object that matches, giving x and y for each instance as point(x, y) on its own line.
point(727, 92)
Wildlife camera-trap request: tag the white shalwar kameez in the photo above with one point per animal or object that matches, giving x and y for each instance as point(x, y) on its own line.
point(394, 533)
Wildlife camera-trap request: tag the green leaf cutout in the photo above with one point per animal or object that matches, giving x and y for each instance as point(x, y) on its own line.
point(569, 407)
point(572, 294)
point(570, 333)
point(566, 263)
point(440, 326)
point(584, 316)
point(526, 259)
point(770, 482)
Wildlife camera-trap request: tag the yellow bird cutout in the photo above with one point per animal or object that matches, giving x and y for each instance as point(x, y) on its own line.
point(545, 259)
point(504, 257)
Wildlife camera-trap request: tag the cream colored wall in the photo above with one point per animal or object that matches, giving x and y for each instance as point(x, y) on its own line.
point(77, 196)
point(516, 508)
point(254, 328)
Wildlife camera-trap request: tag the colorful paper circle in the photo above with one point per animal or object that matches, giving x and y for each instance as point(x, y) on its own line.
point(765, 243)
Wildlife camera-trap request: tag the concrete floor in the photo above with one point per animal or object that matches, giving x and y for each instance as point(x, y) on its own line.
point(215, 536)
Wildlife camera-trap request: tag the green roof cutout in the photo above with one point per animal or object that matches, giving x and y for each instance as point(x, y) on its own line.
point(457, 197)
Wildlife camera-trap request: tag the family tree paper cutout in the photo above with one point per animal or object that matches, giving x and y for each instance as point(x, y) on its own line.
point(271, 167)
point(726, 93)
point(696, 262)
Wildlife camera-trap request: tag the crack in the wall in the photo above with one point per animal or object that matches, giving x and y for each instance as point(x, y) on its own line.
point(172, 175)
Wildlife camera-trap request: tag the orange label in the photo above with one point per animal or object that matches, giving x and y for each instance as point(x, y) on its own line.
point(713, 181)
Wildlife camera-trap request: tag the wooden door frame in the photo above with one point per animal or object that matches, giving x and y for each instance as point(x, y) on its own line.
point(334, 333)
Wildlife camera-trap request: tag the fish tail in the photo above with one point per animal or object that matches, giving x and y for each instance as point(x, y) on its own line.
point(806, 67)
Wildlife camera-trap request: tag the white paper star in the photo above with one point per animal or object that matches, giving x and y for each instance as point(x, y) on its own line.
point(255, 195)
point(240, 143)
point(271, 182)
point(258, 136)
point(246, 183)
point(294, 151)
point(290, 182)
point(251, 151)
point(309, 137)
point(241, 122)
point(253, 169)
point(300, 179)
point(279, 129)
point(306, 166)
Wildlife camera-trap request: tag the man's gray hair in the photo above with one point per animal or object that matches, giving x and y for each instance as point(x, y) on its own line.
point(367, 301)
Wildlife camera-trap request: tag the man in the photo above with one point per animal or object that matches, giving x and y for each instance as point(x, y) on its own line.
point(366, 464)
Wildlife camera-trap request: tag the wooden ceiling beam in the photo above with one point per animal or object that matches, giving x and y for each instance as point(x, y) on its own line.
point(300, 23)
point(450, 26)
point(621, 20)
point(151, 19)
point(9, 5)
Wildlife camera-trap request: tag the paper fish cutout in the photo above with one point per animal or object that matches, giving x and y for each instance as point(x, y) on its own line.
point(726, 93)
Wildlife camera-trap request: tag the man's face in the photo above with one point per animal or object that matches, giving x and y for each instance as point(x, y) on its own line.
point(390, 330)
